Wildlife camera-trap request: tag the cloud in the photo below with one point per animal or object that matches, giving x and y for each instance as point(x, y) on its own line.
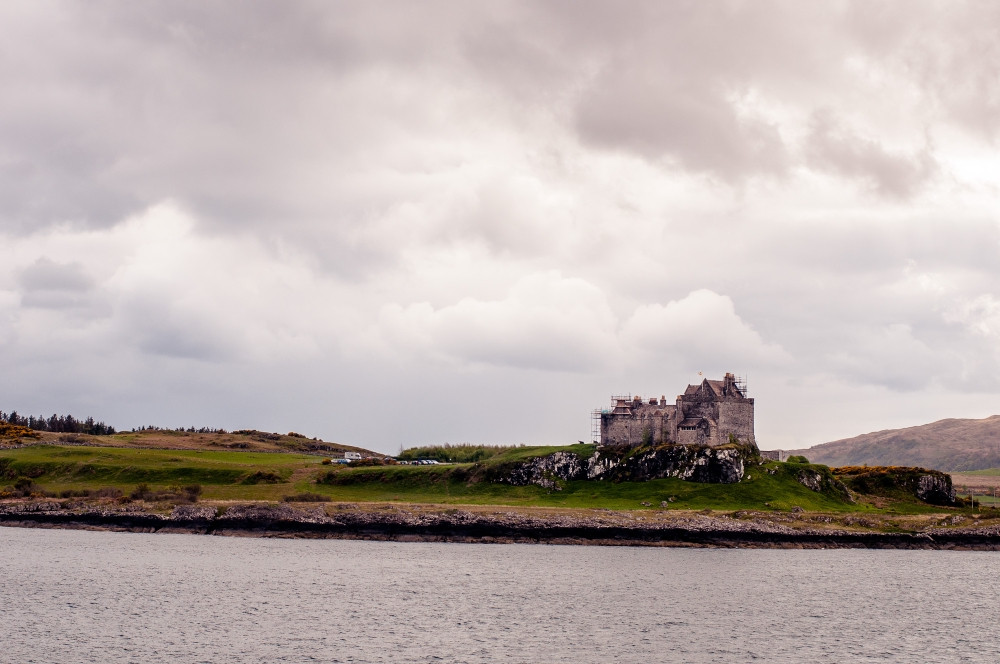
point(892, 357)
point(700, 331)
point(696, 127)
point(49, 285)
point(980, 315)
point(545, 322)
point(304, 207)
point(833, 148)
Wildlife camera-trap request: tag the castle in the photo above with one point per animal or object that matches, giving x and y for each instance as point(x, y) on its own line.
point(707, 414)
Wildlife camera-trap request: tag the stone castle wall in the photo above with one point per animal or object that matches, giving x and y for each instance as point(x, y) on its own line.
point(703, 415)
point(648, 423)
point(736, 417)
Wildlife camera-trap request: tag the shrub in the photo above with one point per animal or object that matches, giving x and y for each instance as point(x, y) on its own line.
point(187, 494)
point(463, 453)
point(15, 431)
point(372, 461)
point(796, 458)
point(141, 492)
point(307, 497)
point(262, 477)
point(25, 487)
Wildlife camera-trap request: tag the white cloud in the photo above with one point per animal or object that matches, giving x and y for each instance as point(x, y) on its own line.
point(980, 315)
point(545, 322)
point(700, 331)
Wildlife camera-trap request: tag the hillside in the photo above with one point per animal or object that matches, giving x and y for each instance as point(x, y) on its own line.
point(951, 445)
point(169, 439)
point(157, 479)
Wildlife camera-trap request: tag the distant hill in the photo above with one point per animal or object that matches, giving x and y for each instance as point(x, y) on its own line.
point(951, 444)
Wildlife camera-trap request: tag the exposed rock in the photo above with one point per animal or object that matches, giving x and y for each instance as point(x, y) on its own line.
point(810, 479)
point(717, 465)
point(266, 513)
point(823, 482)
point(644, 527)
point(203, 512)
point(936, 488)
point(544, 471)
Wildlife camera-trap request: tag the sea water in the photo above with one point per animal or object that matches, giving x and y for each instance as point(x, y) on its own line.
point(78, 596)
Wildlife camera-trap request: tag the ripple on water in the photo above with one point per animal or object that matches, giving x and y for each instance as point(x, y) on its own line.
point(77, 596)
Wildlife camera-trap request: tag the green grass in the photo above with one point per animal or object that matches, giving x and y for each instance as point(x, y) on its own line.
point(456, 484)
point(235, 475)
point(57, 468)
point(524, 453)
point(988, 472)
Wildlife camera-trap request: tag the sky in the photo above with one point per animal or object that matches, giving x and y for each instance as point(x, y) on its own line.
point(390, 224)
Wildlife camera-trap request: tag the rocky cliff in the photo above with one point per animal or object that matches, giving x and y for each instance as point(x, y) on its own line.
point(716, 465)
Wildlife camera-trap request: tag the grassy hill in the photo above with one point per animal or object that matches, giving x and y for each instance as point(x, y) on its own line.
point(169, 439)
point(159, 475)
point(952, 444)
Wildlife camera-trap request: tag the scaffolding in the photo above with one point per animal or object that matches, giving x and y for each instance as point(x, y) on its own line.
point(595, 424)
point(595, 415)
point(741, 384)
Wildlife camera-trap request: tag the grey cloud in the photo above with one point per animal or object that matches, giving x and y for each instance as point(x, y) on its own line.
point(158, 328)
point(46, 284)
point(46, 274)
point(129, 105)
point(119, 107)
point(697, 127)
point(953, 52)
point(831, 147)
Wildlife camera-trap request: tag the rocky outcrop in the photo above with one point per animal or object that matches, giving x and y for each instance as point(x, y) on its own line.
point(822, 481)
point(810, 479)
point(545, 471)
point(931, 486)
point(716, 465)
point(936, 488)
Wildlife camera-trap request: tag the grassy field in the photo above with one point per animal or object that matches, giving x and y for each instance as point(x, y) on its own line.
point(240, 475)
point(221, 474)
point(247, 440)
point(979, 482)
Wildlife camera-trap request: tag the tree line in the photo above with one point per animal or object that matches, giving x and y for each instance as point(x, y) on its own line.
point(58, 424)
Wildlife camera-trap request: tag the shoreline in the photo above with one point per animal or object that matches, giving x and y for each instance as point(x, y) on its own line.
point(420, 524)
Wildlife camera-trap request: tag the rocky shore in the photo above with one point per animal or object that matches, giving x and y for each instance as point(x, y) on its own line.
point(508, 525)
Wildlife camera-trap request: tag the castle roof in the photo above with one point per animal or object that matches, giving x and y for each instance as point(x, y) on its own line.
point(710, 386)
point(716, 388)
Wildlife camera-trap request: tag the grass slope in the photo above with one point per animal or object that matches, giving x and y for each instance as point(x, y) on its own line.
point(222, 474)
point(251, 441)
point(237, 475)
